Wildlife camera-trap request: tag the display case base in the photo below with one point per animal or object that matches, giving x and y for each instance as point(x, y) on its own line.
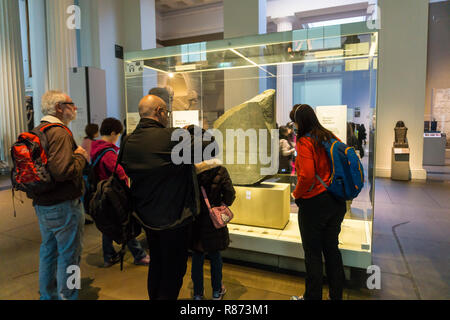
point(271, 262)
point(283, 248)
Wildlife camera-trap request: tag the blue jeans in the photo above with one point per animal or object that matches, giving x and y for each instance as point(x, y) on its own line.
point(198, 259)
point(62, 227)
point(109, 253)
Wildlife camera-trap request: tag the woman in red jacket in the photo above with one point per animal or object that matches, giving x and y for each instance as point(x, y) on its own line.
point(320, 214)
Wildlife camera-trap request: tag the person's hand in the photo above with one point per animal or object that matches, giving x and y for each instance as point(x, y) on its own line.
point(83, 152)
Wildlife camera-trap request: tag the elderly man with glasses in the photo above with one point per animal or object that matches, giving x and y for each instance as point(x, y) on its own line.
point(60, 212)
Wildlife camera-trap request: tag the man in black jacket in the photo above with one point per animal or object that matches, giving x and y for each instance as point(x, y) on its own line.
point(165, 196)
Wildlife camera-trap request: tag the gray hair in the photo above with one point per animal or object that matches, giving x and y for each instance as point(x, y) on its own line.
point(49, 101)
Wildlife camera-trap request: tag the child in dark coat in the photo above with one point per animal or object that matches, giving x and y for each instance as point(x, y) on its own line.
point(206, 239)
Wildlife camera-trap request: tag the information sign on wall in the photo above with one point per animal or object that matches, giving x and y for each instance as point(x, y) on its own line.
point(181, 119)
point(334, 118)
point(133, 119)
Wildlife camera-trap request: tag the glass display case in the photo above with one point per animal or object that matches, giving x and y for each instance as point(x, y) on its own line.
point(251, 83)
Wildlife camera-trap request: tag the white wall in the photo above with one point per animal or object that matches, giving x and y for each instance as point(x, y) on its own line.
point(401, 80)
point(284, 8)
point(105, 23)
point(190, 22)
point(111, 28)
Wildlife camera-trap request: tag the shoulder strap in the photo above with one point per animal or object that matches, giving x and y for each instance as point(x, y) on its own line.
point(119, 157)
point(51, 125)
point(101, 155)
point(40, 132)
point(206, 198)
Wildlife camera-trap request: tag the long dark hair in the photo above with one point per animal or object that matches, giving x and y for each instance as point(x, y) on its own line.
point(305, 118)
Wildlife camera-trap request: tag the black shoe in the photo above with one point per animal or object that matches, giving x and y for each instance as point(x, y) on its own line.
point(111, 262)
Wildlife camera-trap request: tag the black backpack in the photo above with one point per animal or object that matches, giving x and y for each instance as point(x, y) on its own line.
point(111, 209)
point(91, 179)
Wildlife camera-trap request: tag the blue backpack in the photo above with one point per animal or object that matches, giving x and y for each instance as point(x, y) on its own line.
point(347, 175)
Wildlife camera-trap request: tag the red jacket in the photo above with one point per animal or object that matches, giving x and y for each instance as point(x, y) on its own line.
point(105, 166)
point(310, 161)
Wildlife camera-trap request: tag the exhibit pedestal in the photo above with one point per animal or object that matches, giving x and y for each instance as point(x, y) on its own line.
point(400, 164)
point(283, 248)
point(434, 149)
point(266, 205)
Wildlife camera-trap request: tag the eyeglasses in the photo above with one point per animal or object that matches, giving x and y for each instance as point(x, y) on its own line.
point(72, 104)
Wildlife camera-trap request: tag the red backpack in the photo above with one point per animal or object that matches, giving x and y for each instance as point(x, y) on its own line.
point(30, 155)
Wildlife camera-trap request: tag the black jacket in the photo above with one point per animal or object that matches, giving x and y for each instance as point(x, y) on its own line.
point(219, 188)
point(165, 195)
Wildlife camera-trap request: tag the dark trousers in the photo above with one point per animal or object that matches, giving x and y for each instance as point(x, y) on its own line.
point(320, 220)
point(168, 261)
point(198, 259)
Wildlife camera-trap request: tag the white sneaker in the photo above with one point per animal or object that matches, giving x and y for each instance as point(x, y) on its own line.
point(297, 298)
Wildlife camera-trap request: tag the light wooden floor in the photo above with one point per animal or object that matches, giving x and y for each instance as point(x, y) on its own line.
point(414, 261)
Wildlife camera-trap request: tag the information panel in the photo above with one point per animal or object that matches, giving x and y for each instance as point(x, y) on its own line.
point(181, 119)
point(334, 118)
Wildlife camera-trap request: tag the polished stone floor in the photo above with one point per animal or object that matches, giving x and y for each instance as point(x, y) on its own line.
point(411, 245)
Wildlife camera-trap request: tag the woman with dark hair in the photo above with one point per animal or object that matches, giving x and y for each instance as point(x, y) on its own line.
point(320, 214)
point(111, 129)
point(91, 131)
point(287, 150)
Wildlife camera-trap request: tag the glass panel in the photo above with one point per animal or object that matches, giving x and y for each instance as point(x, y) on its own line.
point(327, 67)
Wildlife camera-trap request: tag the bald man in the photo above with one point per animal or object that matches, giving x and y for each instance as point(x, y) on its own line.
point(153, 107)
point(165, 196)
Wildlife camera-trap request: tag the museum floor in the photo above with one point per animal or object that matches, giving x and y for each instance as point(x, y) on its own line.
point(411, 244)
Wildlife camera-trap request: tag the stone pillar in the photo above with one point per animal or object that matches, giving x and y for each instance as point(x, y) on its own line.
point(243, 18)
point(38, 43)
point(401, 80)
point(284, 79)
point(61, 44)
point(12, 87)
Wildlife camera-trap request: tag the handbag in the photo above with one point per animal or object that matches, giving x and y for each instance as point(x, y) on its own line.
point(221, 215)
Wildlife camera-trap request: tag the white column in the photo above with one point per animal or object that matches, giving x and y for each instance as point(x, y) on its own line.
point(38, 43)
point(61, 44)
point(243, 18)
point(402, 72)
point(89, 34)
point(284, 80)
point(12, 87)
point(140, 34)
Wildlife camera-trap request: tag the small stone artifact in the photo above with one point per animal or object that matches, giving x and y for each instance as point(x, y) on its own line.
point(400, 135)
point(251, 117)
